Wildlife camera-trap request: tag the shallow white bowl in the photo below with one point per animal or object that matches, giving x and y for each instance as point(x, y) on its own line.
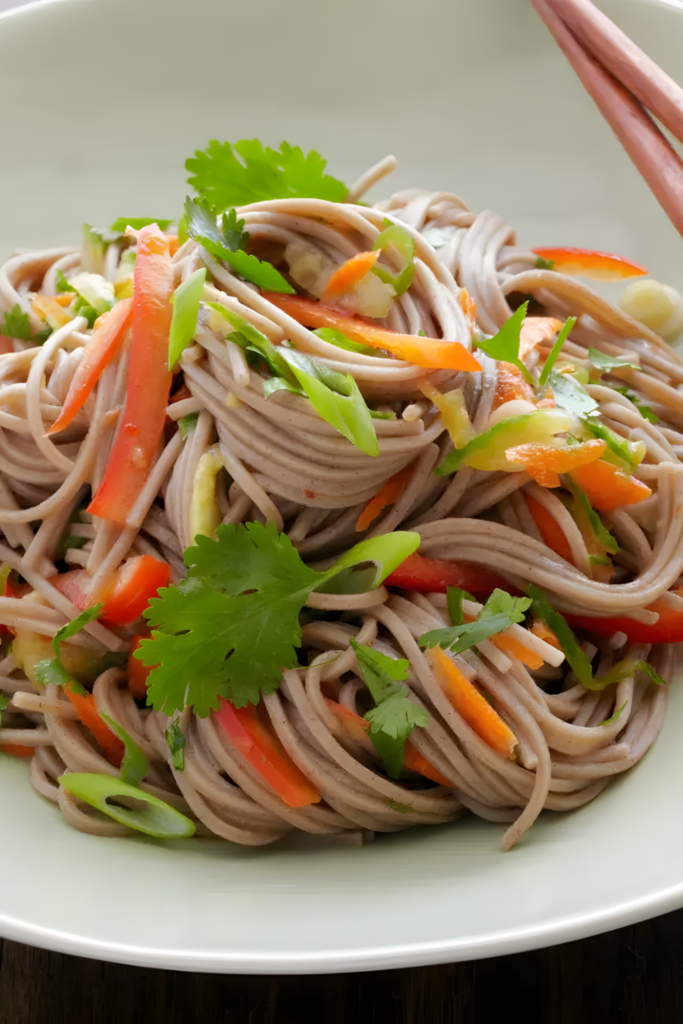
point(103, 101)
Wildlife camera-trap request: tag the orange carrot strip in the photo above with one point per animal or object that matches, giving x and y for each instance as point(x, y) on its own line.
point(536, 330)
point(601, 266)
point(415, 762)
point(64, 298)
point(552, 534)
point(350, 273)
point(16, 750)
point(469, 306)
point(46, 305)
point(429, 353)
point(99, 352)
point(542, 630)
point(544, 462)
point(86, 707)
point(608, 487)
point(517, 649)
point(511, 385)
point(388, 495)
point(468, 702)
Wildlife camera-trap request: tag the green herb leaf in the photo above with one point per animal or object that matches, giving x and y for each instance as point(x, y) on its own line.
point(570, 395)
point(135, 765)
point(137, 223)
point(4, 702)
point(499, 612)
point(17, 325)
point(62, 283)
point(337, 399)
point(576, 658)
point(52, 672)
point(601, 361)
point(176, 744)
point(108, 795)
point(246, 335)
point(232, 625)
point(397, 236)
point(624, 670)
point(186, 424)
point(505, 345)
point(185, 301)
point(245, 172)
point(201, 225)
point(75, 626)
point(555, 350)
point(616, 716)
point(544, 264)
point(395, 715)
point(341, 341)
point(644, 410)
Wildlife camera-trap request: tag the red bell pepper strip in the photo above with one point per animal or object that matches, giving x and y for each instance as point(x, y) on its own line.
point(85, 705)
point(17, 750)
point(435, 575)
point(149, 381)
point(104, 344)
point(668, 629)
point(264, 752)
point(601, 266)
point(430, 353)
point(552, 533)
point(126, 595)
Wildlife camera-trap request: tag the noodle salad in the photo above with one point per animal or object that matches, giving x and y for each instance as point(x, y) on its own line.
point(331, 517)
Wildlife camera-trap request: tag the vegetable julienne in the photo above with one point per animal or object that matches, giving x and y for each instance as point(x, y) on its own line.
point(247, 395)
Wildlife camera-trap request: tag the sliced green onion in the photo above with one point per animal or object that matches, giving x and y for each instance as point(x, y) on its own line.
point(154, 818)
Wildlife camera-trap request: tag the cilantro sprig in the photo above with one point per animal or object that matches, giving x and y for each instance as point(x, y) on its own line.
point(229, 244)
point(16, 324)
point(644, 410)
point(500, 611)
point(232, 625)
point(51, 670)
point(395, 716)
point(504, 346)
point(234, 174)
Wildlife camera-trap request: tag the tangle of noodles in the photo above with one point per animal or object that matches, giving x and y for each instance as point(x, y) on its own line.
point(283, 463)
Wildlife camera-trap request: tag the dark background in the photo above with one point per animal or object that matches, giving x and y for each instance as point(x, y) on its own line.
point(631, 976)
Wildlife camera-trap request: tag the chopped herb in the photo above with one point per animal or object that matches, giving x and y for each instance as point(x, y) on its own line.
point(229, 175)
point(576, 658)
point(229, 243)
point(544, 264)
point(499, 612)
point(186, 424)
point(601, 361)
point(75, 626)
point(62, 283)
point(248, 584)
point(137, 223)
point(397, 236)
point(176, 744)
point(4, 702)
point(570, 395)
point(135, 765)
point(17, 325)
point(401, 808)
point(394, 716)
point(599, 529)
point(555, 350)
point(616, 716)
point(341, 341)
point(66, 541)
point(504, 346)
point(51, 672)
point(644, 410)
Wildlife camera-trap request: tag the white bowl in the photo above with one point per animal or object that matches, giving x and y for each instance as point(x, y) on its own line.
point(104, 100)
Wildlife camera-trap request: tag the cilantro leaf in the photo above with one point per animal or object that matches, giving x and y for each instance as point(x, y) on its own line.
point(17, 325)
point(62, 283)
point(248, 337)
point(570, 395)
point(499, 612)
point(543, 264)
point(395, 716)
point(245, 172)
point(601, 361)
point(176, 744)
point(66, 541)
point(504, 346)
point(555, 350)
point(623, 670)
point(201, 225)
point(186, 424)
point(232, 625)
point(75, 626)
point(644, 410)
point(137, 223)
point(51, 672)
point(135, 765)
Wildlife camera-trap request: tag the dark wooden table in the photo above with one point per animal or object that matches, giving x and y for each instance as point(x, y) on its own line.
point(631, 976)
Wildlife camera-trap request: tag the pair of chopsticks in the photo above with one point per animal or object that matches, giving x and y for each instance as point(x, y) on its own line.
point(625, 84)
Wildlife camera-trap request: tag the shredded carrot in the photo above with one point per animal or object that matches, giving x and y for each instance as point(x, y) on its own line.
point(172, 244)
point(542, 630)
point(471, 705)
point(64, 298)
point(517, 649)
point(17, 750)
point(536, 330)
point(430, 353)
point(608, 487)
point(551, 532)
point(46, 306)
point(468, 306)
point(414, 761)
point(388, 495)
point(349, 274)
point(86, 707)
point(511, 385)
point(544, 462)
